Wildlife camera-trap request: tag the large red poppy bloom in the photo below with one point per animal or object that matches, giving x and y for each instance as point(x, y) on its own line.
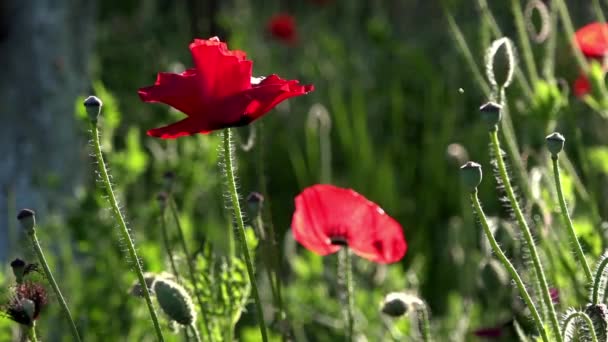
point(592, 40)
point(283, 28)
point(328, 217)
point(218, 92)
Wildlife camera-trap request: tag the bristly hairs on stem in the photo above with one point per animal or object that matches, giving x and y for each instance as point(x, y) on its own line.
point(93, 107)
point(577, 319)
point(598, 292)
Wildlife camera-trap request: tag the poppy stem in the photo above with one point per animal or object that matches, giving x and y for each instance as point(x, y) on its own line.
point(581, 317)
point(191, 269)
point(509, 266)
point(124, 231)
point(423, 321)
point(163, 228)
point(566, 216)
point(238, 215)
point(523, 225)
point(51, 279)
point(346, 273)
point(31, 333)
point(196, 334)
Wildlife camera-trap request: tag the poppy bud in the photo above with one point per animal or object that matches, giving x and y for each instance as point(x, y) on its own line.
point(93, 106)
point(493, 275)
point(175, 301)
point(27, 219)
point(555, 143)
point(599, 316)
point(471, 175)
point(255, 200)
point(500, 67)
point(136, 289)
point(397, 304)
point(491, 113)
point(18, 267)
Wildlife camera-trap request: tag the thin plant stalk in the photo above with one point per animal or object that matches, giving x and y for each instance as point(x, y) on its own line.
point(424, 322)
point(31, 333)
point(345, 272)
point(524, 40)
point(124, 231)
point(569, 30)
point(599, 281)
point(238, 215)
point(585, 318)
point(163, 227)
point(191, 269)
point(196, 334)
point(509, 266)
point(51, 279)
point(527, 235)
point(570, 227)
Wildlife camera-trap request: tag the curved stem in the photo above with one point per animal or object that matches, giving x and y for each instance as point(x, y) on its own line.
point(509, 266)
point(236, 207)
point(197, 336)
point(51, 279)
point(599, 279)
point(566, 216)
point(124, 231)
point(191, 269)
point(163, 228)
point(527, 235)
point(585, 318)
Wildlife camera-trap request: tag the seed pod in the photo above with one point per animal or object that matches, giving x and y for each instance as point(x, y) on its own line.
point(471, 175)
point(175, 301)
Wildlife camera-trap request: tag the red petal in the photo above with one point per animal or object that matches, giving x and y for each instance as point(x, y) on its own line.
point(221, 72)
point(326, 211)
point(592, 39)
point(185, 127)
point(581, 86)
point(180, 91)
point(283, 28)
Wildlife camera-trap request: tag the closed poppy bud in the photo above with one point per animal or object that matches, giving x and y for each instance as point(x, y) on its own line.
point(599, 316)
point(27, 219)
point(491, 113)
point(18, 267)
point(397, 304)
point(93, 106)
point(471, 175)
point(175, 301)
point(555, 143)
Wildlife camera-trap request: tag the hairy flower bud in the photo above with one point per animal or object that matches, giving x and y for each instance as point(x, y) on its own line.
point(27, 219)
point(397, 304)
point(471, 175)
point(93, 106)
point(175, 301)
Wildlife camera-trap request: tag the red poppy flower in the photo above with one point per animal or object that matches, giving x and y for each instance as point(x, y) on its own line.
point(218, 92)
point(283, 28)
point(328, 217)
point(592, 40)
point(581, 86)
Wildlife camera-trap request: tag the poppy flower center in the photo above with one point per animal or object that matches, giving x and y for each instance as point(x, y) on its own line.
point(338, 241)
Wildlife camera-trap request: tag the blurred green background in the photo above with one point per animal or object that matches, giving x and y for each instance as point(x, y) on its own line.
point(393, 116)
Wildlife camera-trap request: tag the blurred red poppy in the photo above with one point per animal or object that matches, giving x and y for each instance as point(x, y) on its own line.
point(581, 86)
point(283, 28)
point(328, 217)
point(592, 40)
point(218, 92)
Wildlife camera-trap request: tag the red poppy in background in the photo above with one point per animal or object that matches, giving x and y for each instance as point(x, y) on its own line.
point(218, 92)
point(592, 40)
point(283, 28)
point(329, 217)
point(581, 86)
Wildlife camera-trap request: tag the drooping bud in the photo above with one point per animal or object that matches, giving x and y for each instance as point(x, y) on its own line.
point(175, 301)
point(397, 304)
point(491, 113)
point(93, 106)
point(471, 175)
point(599, 316)
point(136, 289)
point(255, 200)
point(27, 219)
point(18, 267)
point(555, 143)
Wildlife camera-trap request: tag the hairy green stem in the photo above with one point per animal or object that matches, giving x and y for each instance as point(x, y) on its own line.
point(524, 40)
point(238, 215)
point(163, 228)
point(424, 322)
point(191, 269)
point(509, 266)
point(345, 272)
point(585, 318)
point(527, 235)
point(570, 227)
point(599, 281)
point(51, 279)
point(124, 231)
